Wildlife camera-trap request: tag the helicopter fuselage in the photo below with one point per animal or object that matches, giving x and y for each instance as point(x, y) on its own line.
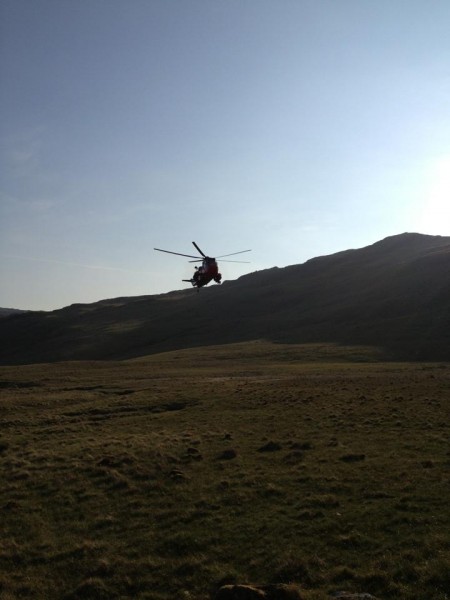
point(207, 272)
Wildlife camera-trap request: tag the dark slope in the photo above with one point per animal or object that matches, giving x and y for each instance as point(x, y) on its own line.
point(7, 312)
point(394, 294)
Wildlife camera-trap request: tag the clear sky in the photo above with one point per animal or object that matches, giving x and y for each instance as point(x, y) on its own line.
point(296, 128)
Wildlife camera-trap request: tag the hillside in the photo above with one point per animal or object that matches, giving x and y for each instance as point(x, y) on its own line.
point(7, 312)
point(394, 294)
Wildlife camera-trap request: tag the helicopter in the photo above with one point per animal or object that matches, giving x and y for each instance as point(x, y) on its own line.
point(209, 270)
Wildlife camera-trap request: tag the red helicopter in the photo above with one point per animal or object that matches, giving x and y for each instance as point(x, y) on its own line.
point(209, 270)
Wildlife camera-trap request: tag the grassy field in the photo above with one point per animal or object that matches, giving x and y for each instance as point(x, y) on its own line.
point(166, 477)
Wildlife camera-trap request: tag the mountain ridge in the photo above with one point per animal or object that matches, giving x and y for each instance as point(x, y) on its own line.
point(393, 294)
point(7, 312)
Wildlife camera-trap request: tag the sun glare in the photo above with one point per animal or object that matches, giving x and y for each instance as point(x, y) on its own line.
point(435, 213)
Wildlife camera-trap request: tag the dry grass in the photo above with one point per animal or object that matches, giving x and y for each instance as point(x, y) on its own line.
point(162, 478)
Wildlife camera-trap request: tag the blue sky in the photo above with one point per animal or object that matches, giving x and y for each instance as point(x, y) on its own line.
point(296, 128)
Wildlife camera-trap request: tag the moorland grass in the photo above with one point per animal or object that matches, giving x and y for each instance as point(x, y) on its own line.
point(164, 477)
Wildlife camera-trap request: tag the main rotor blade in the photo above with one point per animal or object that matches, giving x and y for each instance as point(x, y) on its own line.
point(233, 253)
point(236, 261)
point(202, 253)
point(177, 253)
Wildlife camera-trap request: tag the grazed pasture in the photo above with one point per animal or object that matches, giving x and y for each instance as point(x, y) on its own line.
point(165, 477)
